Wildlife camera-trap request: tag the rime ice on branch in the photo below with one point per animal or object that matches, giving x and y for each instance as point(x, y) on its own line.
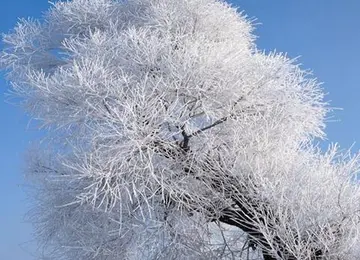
point(171, 136)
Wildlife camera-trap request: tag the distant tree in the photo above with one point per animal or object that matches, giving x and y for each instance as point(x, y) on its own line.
point(171, 136)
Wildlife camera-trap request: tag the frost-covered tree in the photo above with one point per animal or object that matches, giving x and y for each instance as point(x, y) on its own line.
point(171, 136)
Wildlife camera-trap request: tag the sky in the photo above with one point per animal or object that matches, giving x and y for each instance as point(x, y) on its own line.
point(324, 35)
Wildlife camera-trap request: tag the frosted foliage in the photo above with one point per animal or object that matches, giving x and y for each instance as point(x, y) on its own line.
point(170, 136)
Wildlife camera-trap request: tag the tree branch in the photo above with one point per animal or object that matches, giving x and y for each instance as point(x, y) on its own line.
point(217, 122)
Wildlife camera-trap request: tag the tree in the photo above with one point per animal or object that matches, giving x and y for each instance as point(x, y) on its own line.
point(171, 136)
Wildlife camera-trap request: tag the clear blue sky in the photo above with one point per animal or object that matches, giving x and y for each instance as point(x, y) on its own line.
point(323, 32)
